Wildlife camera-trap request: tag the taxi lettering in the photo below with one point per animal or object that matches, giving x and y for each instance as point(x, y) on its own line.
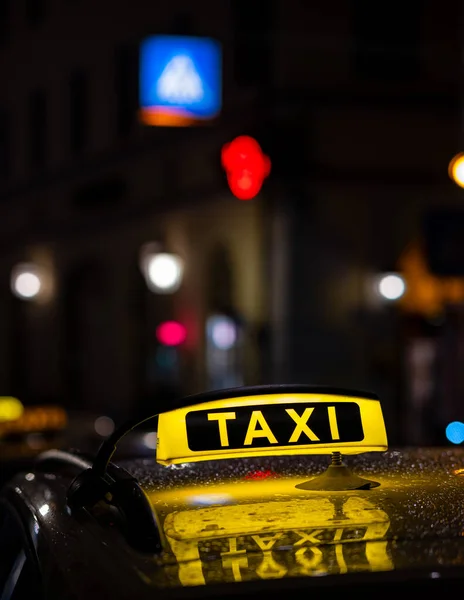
point(269, 568)
point(258, 427)
point(313, 551)
point(274, 425)
point(310, 551)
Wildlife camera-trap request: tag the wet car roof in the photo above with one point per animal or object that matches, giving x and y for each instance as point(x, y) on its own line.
point(419, 484)
point(251, 508)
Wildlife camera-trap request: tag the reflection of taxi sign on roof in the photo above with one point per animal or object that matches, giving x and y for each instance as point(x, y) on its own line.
point(35, 419)
point(10, 409)
point(218, 542)
point(304, 421)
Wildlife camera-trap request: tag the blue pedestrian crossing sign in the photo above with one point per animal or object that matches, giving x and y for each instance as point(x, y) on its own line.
point(180, 80)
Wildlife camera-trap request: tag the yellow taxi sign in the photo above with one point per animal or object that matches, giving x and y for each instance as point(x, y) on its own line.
point(271, 424)
point(10, 408)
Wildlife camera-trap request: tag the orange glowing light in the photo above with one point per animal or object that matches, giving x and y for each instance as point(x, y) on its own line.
point(246, 166)
point(426, 293)
point(166, 118)
point(456, 169)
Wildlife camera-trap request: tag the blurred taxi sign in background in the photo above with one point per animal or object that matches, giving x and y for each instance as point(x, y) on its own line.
point(26, 432)
point(35, 419)
point(271, 424)
point(10, 409)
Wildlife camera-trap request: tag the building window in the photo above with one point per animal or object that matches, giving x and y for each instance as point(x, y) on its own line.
point(182, 24)
point(79, 109)
point(5, 145)
point(253, 43)
point(4, 19)
point(100, 194)
point(224, 331)
point(126, 87)
point(35, 11)
point(386, 38)
point(87, 335)
point(37, 117)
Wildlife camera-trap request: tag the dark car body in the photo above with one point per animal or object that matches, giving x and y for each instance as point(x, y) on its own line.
point(276, 518)
point(51, 427)
point(240, 525)
point(35, 430)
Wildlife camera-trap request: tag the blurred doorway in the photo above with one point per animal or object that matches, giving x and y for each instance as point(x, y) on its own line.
point(18, 350)
point(433, 348)
point(224, 331)
point(87, 347)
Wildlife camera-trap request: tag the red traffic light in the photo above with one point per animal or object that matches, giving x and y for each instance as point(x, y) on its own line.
point(246, 166)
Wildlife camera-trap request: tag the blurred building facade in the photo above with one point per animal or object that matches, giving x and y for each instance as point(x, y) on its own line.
point(358, 106)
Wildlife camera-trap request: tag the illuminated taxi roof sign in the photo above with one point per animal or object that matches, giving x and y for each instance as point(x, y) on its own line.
point(274, 422)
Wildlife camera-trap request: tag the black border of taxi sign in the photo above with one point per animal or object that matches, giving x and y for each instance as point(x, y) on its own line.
point(272, 420)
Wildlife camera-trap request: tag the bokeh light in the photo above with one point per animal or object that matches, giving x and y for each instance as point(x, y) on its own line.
point(104, 426)
point(171, 333)
point(150, 440)
point(223, 332)
point(392, 286)
point(164, 272)
point(246, 166)
point(456, 169)
point(26, 282)
point(10, 409)
point(455, 432)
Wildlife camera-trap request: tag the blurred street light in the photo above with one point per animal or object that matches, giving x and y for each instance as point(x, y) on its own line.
point(391, 286)
point(26, 281)
point(163, 271)
point(456, 169)
point(222, 331)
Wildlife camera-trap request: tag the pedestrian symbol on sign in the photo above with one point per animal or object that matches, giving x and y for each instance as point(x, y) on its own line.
point(179, 82)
